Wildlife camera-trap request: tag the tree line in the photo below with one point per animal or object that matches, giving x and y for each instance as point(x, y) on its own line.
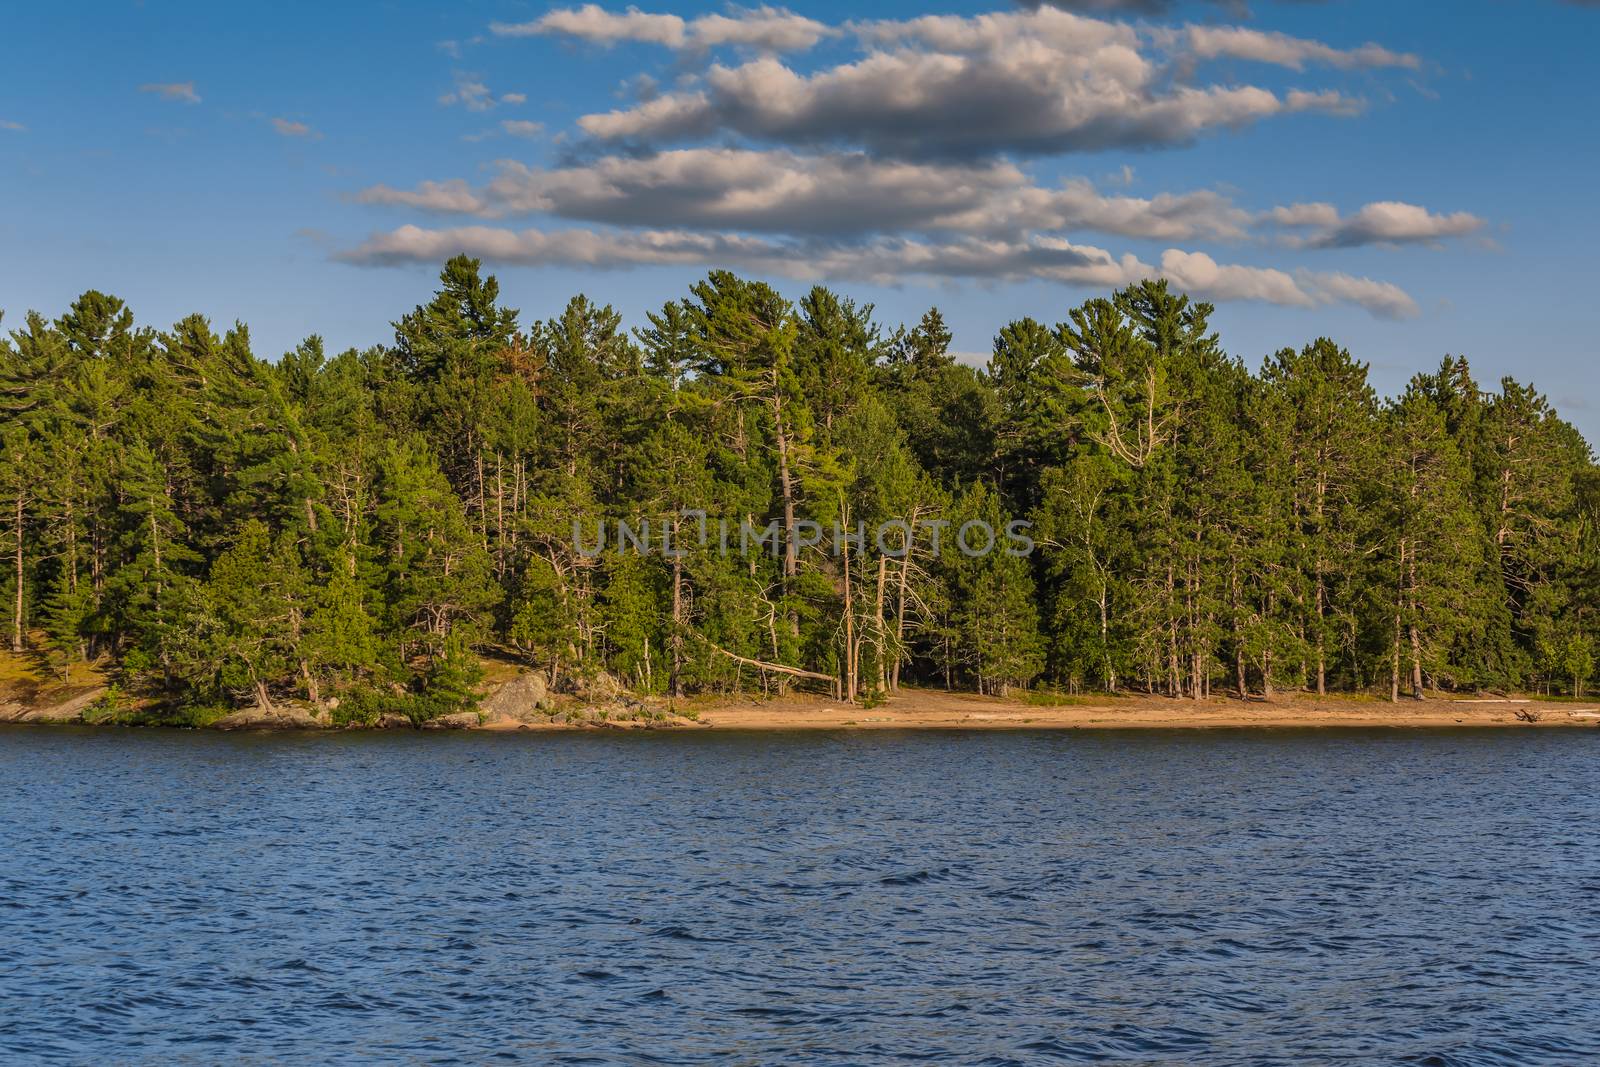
point(218, 529)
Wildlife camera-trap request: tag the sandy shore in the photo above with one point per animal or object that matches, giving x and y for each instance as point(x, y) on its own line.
point(932, 709)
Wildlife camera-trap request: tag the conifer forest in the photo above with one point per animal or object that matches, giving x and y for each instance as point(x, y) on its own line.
point(217, 528)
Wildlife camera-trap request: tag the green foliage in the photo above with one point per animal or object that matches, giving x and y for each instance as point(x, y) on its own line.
point(352, 529)
point(450, 684)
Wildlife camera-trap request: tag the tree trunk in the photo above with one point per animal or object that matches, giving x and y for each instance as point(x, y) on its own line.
point(1416, 662)
point(1322, 652)
point(791, 552)
point(881, 627)
point(499, 516)
point(16, 616)
point(1394, 667)
point(1105, 633)
point(1416, 636)
point(676, 671)
point(849, 623)
point(900, 621)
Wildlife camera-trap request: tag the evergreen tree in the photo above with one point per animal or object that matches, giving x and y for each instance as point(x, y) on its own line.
point(205, 525)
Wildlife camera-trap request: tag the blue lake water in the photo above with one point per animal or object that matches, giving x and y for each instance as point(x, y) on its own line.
point(705, 897)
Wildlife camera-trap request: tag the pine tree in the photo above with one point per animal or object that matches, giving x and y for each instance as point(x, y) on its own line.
point(996, 616)
point(1432, 546)
point(451, 682)
point(206, 525)
point(1328, 416)
point(251, 590)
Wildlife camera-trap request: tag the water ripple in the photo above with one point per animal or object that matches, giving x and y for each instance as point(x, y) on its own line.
point(1154, 898)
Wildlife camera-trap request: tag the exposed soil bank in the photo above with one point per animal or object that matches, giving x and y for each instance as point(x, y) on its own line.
point(924, 709)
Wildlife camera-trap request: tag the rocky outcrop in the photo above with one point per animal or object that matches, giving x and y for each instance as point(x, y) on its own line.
point(277, 717)
point(603, 688)
point(69, 710)
point(461, 720)
point(524, 699)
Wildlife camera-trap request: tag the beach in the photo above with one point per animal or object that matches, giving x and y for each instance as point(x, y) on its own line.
point(923, 709)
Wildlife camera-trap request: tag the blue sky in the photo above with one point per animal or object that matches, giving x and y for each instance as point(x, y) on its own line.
point(1409, 179)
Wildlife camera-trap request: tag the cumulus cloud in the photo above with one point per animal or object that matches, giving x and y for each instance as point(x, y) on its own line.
point(180, 92)
point(1383, 299)
point(765, 28)
point(852, 195)
point(473, 94)
point(902, 163)
point(838, 194)
point(1319, 215)
point(1198, 273)
point(7, 124)
point(1105, 7)
point(1280, 49)
point(1386, 222)
point(1028, 101)
point(1201, 275)
point(887, 260)
point(1155, 7)
point(454, 196)
point(1038, 80)
point(591, 22)
point(522, 127)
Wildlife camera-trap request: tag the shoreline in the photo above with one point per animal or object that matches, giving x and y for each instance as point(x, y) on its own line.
point(515, 699)
point(917, 709)
point(938, 710)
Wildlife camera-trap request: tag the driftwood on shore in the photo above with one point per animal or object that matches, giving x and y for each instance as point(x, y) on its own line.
point(777, 668)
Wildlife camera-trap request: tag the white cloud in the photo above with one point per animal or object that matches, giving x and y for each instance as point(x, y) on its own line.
point(181, 92)
point(452, 196)
point(1386, 222)
point(889, 260)
point(938, 105)
point(472, 93)
point(852, 195)
point(849, 194)
point(1028, 82)
point(522, 127)
point(290, 128)
point(591, 22)
point(7, 124)
point(1112, 7)
point(1317, 214)
point(1296, 53)
point(1383, 299)
point(765, 28)
point(900, 164)
point(1199, 274)
point(1326, 100)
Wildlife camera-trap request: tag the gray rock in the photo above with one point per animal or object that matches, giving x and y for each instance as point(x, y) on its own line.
point(278, 717)
point(461, 720)
point(519, 700)
point(69, 710)
point(601, 689)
